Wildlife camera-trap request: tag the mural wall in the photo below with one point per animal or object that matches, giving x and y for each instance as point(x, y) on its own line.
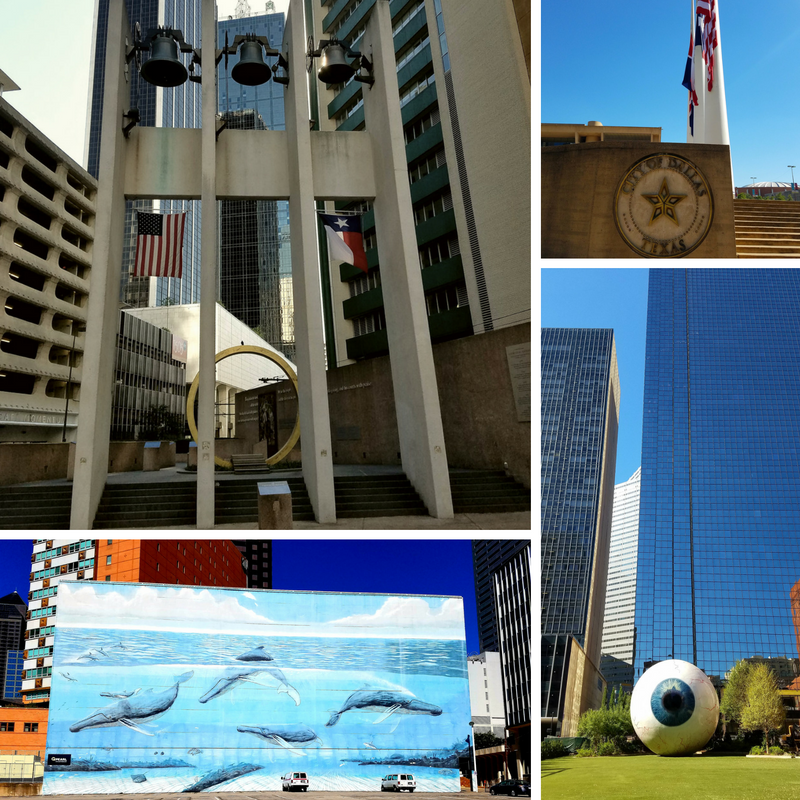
point(162, 689)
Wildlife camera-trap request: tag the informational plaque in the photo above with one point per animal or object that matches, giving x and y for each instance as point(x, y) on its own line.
point(519, 368)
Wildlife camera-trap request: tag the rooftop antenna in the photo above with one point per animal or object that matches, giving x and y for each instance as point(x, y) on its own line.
point(242, 9)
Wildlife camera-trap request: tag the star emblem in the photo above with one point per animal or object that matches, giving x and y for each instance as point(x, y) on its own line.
point(342, 223)
point(664, 203)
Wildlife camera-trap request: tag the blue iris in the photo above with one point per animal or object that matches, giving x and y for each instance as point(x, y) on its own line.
point(672, 702)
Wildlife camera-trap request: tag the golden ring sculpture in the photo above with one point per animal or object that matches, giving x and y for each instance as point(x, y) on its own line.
point(270, 356)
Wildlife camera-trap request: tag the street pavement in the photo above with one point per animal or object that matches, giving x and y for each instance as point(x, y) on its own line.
point(211, 795)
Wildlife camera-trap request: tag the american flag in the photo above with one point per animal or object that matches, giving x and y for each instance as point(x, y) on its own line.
point(159, 245)
point(708, 11)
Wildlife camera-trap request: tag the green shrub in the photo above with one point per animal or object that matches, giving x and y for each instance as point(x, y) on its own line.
point(552, 748)
point(776, 751)
point(757, 751)
point(607, 749)
point(584, 752)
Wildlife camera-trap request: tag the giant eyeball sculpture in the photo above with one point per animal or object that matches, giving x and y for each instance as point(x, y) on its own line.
point(674, 708)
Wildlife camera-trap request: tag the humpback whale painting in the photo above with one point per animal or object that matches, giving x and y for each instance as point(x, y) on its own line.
point(201, 689)
point(133, 712)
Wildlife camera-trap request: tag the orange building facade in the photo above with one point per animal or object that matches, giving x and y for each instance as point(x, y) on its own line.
point(23, 730)
point(213, 562)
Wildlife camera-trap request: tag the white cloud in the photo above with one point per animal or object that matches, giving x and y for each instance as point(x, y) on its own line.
point(249, 595)
point(411, 614)
point(163, 608)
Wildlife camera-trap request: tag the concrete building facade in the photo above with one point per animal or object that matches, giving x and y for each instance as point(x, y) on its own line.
point(149, 379)
point(619, 637)
point(486, 699)
point(233, 375)
point(580, 418)
point(467, 144)
point(47, 211)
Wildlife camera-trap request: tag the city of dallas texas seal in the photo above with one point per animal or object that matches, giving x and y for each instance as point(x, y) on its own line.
point(663, 206)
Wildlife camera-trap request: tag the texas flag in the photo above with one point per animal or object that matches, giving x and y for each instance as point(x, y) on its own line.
point(345, 242)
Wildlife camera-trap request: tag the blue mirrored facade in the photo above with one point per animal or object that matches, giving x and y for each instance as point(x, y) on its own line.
point(719, 540)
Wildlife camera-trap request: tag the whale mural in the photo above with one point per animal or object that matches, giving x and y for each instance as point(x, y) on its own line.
point(286, 736)
point(385, 704)
point(252, 684)
point(133, 712)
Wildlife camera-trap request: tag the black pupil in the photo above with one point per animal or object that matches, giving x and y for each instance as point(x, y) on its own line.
point(672, 701)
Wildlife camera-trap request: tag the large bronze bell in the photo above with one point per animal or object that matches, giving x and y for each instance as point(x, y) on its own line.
point(333, 66)
point(163, 67)
point(250, 70)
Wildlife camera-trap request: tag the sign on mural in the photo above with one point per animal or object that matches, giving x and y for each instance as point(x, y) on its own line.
point(166, 689)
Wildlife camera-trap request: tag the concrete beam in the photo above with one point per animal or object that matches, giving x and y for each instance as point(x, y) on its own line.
point(161, 164)
point(419, 418)
point(97, 383)
point(315, 423)
point(208, 277)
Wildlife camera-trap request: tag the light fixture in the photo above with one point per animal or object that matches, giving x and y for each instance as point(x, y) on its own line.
point(334, 65)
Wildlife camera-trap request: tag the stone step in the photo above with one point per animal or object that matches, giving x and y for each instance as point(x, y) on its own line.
point(768, 249)
point(767, 255)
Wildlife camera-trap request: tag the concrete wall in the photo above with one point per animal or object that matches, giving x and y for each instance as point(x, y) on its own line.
point(22, 463)
point(156, 458)
point(579, 183)
point(478, 411)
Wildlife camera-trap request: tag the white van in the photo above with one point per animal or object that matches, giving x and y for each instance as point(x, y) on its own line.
point(398, 783)
point(294, 780)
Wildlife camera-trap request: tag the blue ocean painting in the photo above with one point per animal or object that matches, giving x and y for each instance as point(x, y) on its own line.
point(164, 689)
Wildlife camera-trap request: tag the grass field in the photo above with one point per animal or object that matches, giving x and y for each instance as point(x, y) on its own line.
point(705, 777)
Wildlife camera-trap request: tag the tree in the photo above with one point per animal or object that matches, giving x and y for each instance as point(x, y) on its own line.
point(733, 698)
point(157, 423)
point(483, 740)
point(610, 723)
point(763, 709)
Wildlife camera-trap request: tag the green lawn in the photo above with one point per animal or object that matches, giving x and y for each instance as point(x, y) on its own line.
point(653, 778)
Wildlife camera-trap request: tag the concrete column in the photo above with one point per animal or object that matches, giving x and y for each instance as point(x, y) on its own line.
point(208, 275)
point(416, 396)
point(315, 423)
point(97, 380)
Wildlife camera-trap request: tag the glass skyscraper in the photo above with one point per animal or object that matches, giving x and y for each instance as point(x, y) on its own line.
point(719, 543)
point(616, 661)
point(580, 417)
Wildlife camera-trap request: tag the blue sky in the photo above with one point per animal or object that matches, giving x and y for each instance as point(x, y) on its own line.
point(403, 566)
point(622, 63)
point(607, 298)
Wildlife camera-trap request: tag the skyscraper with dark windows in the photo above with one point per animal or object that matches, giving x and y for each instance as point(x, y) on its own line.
point(580, 418)
point(719, 545)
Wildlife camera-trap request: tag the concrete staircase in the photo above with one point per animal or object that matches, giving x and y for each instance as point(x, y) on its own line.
point(390, 495)
point(153, 504)
point(237, 501)
point(147, 505)
point(487, 492)
point(767, 228)
point(35, 507)
point(255, 462)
